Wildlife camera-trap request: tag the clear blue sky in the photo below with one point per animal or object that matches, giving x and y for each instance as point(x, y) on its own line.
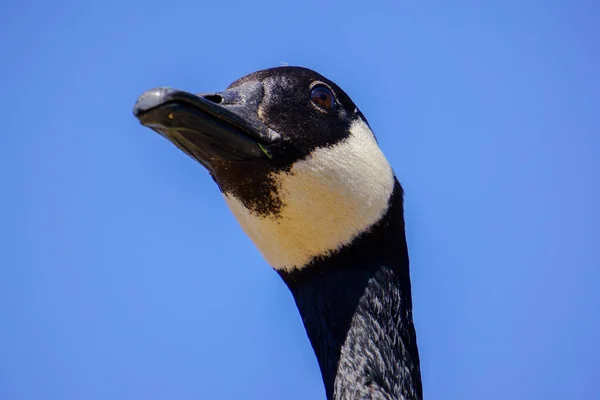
point(124, 276)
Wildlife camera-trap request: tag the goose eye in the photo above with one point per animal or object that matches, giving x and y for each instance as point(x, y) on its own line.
point(322, 97)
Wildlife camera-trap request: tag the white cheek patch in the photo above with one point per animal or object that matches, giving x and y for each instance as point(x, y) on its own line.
point(328, 199)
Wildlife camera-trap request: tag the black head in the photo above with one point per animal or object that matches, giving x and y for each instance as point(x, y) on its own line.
point(261, 123)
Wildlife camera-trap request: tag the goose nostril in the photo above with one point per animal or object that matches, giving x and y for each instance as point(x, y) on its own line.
point(215, 98)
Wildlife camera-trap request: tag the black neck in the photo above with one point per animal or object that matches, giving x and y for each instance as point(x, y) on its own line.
point(357, 310)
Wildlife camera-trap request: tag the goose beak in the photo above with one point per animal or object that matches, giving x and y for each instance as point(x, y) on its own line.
point(210, 128)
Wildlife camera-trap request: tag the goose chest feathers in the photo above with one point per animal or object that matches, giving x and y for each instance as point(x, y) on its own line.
point(301, 170)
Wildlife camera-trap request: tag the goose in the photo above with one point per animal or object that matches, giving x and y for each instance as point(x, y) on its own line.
point(302, 172)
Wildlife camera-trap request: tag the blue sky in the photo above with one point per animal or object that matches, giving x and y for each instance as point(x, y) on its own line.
point(124, 276)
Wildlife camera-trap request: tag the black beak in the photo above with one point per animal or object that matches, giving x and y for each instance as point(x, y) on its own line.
point(208, 127)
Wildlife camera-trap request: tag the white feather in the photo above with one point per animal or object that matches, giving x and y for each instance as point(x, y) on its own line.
point(329, 198)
